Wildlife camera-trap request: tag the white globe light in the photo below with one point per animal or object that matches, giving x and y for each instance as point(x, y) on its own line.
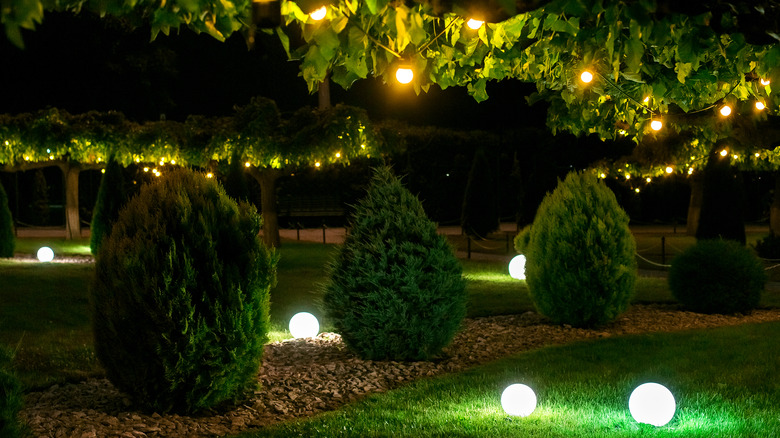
point(517, 267)
point(656, 125)
point(45, 254)
point(518, 400)
point(304, 325)
point(586, 77)
point(404, 75)
point(652, 403)
point(725, 111)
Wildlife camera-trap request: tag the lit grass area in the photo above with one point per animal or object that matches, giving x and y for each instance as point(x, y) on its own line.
point(60, 246)
point(724, 381)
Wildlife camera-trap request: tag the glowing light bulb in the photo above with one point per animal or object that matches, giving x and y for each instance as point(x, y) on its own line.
point(690, 171)
point(338, 154)
point(647, 99)
point(602, 175)
point(362, 146)
point(317, 164)
point(724, 152)
point(517, 267)
point(474, 24)
point(652, 403)
point(45, 254)
point(648, 179)
point(319, 14)
point(636, 189)
point(656, 125)
point(518, 400)
point(586, 77)
point(209, 175)
point(404, 75)
point(725, 110)
point(760, 105)
point(173, 161)
point(765, 82)
point(146, 169)
point(757, 154)
point(628, 176)
point(247, 164)
point(102, 170)
point(304, 325)
point(137, 160)
point(669, 169)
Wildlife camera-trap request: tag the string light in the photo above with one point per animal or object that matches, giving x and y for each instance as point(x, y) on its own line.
point(636, 189)
point(602, 175)
point(760, 105)
point(647, 99)
point(209, 175)
point(656, 125)
point(404, 75)
point(146, 169)
point(765, 82)
point(338, 154)
point(724, 152)
point(586, 77)
point(690, 171)
point(247, 164)
point(317, 164)
point(648, 179)
point(669, 169)
point(628, 176)
point(757, 155)
point(725, 110)
point(474, 23)
point(362, 146)
point(173, 161)
point(319, 14)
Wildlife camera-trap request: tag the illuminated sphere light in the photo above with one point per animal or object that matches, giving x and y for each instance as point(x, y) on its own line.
point(652, 403)
point(404, 75)
point(474, 24)
point(669, 169)
point(725, 110)
point(518, 400)
point(517, 267)
point(319, 14)
point(586, 77)
point(656, 125)
point(304, 325)
point(760, 105)
point(45, 254)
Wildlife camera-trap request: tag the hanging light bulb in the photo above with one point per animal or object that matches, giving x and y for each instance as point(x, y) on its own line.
point(765, 82)
point(760, 105)
point(669, 169)
point(724, 152)
point(404, 74)
point(648, 179)
point(725, 110)
point(319, 14)
point(586, 77)
point(656, 125)
point(474, 23)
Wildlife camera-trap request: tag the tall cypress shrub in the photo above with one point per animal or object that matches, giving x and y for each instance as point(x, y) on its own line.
point(396, 290)
point(7, 237)
point(479, 215)
point(180, 301)
point(722, 201)
point(580, 265)
point(112, 196)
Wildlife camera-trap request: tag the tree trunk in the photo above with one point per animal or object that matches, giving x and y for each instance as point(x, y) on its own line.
point(323, 94)
point(70, 172)
point(694, 207)
point(267, 179)
point(774, 210)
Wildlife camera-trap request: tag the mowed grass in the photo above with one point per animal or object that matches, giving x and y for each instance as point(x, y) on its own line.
point(44, 312)
point(724, 381)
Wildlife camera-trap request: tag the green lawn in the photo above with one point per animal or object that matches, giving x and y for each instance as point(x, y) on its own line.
point(724, 381)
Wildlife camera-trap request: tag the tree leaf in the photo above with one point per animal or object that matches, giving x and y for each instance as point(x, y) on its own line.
point(633, 51)
point(683, 69)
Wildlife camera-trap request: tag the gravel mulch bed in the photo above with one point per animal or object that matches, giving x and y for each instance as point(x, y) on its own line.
point(300, 378)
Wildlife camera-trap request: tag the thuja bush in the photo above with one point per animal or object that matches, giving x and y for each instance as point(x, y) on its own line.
point(181, 296)
point(396, 289)
point(522, 240)
point(717, 276)
point(580, 264)
point(7, 237)
point(769, 246)
point(10, 398)
point(112, 196)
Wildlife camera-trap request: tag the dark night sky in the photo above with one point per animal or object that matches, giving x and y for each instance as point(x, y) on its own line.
point(82, 63)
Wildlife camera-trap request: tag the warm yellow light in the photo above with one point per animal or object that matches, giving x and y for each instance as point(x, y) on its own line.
point(362, 146)
point(723, 153)
point(137, 160)
point(622, 132)
point(404, 75)
point(647, 99)
point(760, 105)
point(26, 158)
point(102, 170)
point(162, 163)
point(209, 175)
point(247, 164)
point(173, 161)
point(765, 82)
point(628, 176)
point(690, 170)
point(586, 77)
point(51, 157)
point(636, 189)
point(648, 179)
point(146, 169)
point(757, 155)
point(319, 14)
point(603, 175)
point(474, 24)
point(669, 169)
point(317, 164)
point(656, 125)
point(725, 110)
point(338, 154)
point(7, 143)
point(155, 170)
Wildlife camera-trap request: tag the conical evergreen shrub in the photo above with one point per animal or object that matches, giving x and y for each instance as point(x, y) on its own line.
point(480, 205)
point(396, 290)
point(181, 296)
point(112, 196)
point(7, 237)
point(580, 265)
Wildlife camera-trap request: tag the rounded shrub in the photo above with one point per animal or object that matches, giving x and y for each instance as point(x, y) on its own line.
point(769, 246)
point(396, 289)
point(10, 398)
point(181, 296)
point(7, 236)
point(580, 265)
point(717, 276)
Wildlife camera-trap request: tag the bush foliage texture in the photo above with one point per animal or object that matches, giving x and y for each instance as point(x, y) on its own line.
point(112, 196)
point(717, 276)
point(181, 296)
point(580, 264)
point(7, 237)
point(396, 289)
point(10, 398)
